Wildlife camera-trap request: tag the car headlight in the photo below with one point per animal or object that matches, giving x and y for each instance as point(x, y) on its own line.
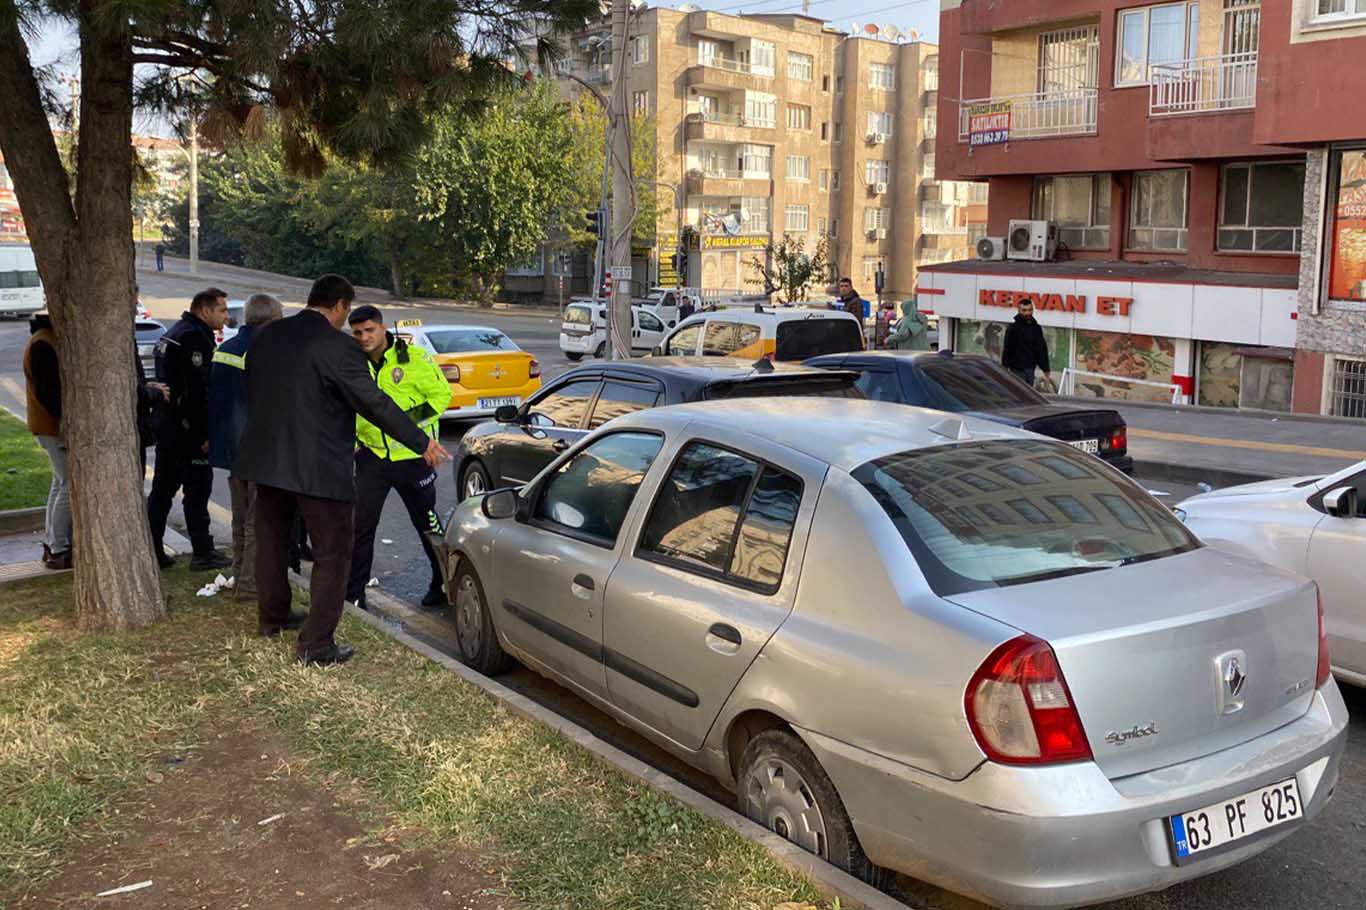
point(1180, 513)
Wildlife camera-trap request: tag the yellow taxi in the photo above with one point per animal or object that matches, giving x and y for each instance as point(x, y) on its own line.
point(485, 368)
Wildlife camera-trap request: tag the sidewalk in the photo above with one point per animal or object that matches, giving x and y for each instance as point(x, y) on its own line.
point(21, 554)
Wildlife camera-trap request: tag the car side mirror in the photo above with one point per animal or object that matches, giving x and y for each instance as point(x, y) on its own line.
point(508, 413)
point(1341, 503)
point(500, 504)
point(658, 351)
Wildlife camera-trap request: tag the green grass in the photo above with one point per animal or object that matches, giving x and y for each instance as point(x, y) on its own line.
point(20, 454)
point(420, 753)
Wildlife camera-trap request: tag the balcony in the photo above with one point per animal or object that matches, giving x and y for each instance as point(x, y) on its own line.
point(1204, 85)
point(1040, 115)
point(728, 74)
point(724, 181)
point(715, 127)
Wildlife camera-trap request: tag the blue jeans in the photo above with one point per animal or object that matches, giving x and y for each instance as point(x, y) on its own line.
point(57, 520)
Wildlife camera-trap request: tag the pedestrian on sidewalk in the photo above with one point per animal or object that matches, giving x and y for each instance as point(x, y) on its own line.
point(412, 379)
point(161, 257)
point(852, 300)
point(43, 379)
point(306, 382)
point(227, 420)
point(184, 357)
point(1025, 348)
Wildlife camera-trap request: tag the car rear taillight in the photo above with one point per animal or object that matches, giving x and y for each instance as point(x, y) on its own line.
point(1119, 440)
point(534, 369)
point(451, 372)
point(1325, 669)
point(1019, 708)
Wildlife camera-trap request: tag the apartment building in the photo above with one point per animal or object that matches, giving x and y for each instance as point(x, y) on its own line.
point(779, 125)
point(11, 219)
point(1209, 195)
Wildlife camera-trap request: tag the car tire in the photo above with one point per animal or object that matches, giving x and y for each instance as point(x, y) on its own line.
point(475, 636)
point(782, 787)
point(574, 356)
point(475, 475)
point(601, 351)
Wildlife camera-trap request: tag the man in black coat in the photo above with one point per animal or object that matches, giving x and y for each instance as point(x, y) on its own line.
point(306, 382)
point(1025, 349)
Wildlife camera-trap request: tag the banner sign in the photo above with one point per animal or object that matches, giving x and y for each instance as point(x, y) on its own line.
point(1347, 276)
point(727, 242)
point(1064, 303)
point(989, 124)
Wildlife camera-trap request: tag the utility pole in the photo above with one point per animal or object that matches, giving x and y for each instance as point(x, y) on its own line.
point(623, 180)
point(194, 194)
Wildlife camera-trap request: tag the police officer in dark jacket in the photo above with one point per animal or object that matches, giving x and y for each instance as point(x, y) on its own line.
point(184, 356)
point(1025, 348)
point(306, 382)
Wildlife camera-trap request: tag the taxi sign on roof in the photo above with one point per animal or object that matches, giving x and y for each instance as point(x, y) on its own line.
point(407, 323)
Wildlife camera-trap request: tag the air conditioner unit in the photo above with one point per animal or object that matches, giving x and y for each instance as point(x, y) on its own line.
point(880, 189)
point(1035, 241)
point(991, 248)
point(876, 138)
point(881, 233)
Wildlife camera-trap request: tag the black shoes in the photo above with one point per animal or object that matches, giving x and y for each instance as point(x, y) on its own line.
point(205, 562)
point(360, 603)
point(337, 654)
point(164, 561)
point(58, 562)
point(295, 620)
point(435, 598)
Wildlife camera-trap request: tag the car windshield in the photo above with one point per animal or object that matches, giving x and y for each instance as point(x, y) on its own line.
point(970, 384)
point(833, 386)
point(579, 315)
point(798, 339)
point(469, 341)
point(991, 514)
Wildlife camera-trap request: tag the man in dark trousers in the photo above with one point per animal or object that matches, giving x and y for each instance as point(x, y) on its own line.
point(228, 418)
point(1025, 349)
point(412, 379)
point(306, 382)
point(184, 356)
point(161, 257)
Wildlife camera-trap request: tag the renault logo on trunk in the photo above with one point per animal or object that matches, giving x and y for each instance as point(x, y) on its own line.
point(497, 372)
point(1230, 680)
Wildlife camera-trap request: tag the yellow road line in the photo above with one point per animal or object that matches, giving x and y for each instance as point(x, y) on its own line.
point(1348, 454)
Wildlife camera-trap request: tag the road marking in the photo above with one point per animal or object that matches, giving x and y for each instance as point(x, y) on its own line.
point(16, 391)
point(1349, 454)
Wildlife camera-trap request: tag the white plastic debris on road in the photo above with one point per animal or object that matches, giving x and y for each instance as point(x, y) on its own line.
point(125, 889)
point(212, 588)
point(372, 583)
point(273, 818)
point(386, 540)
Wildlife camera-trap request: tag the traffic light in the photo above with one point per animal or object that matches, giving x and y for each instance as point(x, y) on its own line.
point(595, 221)
point(680, 261)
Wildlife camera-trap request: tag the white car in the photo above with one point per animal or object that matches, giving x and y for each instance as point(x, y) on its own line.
point(583, 329)
point(1315, 526)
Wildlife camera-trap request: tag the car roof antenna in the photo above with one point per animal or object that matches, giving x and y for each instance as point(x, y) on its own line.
point(763, 365)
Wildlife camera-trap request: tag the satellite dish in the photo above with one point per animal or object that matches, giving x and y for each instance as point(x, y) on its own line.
point(870, 28)
point(915, 34)
point(689, 8)
point(892, 33)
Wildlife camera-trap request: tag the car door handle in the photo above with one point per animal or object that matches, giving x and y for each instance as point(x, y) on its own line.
point(723, 639)
point(583, 581)
point(582, 587)
point(560, 445)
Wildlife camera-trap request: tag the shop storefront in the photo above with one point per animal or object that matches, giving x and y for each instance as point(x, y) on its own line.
point(726, 262)
point(1128, 331)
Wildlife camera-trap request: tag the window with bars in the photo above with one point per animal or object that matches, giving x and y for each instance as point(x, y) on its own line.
point(1069, 59)
point(877, 171)
point(800, 66)
point(798, 168)
point(1338, 9)
point(1262, 207)
point(1349, 388)
point(882, 76)
point(798, 117)
point(797, 219)
point(640, 103)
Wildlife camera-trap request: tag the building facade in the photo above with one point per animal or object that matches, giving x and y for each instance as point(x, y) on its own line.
point(779, 125)
point(11, 219)
point(1200, 180)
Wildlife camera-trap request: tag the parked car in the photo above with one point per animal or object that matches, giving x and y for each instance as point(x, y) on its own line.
point(583, 329)
point(237, 317)
point(1312, 525)
point(526, 439)
point(777, 333)
point(485, 368)
point(915, 641)
point(147, 333)
point(976, 385)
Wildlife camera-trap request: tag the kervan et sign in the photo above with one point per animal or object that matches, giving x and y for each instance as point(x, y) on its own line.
point(1063, 303)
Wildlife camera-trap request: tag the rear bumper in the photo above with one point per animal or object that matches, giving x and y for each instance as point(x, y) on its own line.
point(1066, 835)
point(465, 402)
point(577, 344)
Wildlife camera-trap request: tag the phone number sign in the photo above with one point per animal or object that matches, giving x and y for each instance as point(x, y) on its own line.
point(989, 124)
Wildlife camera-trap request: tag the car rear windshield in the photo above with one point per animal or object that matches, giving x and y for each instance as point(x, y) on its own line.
point(834, 386)
point(991, 514)
point(469, 341)
point(960, 384)
point(579, 315)
point(799, 339)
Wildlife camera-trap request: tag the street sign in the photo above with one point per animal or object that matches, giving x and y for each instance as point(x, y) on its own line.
point(620, 272)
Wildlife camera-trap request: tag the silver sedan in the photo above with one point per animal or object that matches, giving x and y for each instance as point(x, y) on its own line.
point(917, 642)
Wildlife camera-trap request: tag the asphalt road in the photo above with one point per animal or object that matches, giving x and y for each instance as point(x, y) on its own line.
point(1321, 866)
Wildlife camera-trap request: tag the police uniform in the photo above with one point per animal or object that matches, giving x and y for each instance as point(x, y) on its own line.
point(416, 384)
point(184, 356)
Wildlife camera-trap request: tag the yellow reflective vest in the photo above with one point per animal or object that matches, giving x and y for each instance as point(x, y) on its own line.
point(409, 376)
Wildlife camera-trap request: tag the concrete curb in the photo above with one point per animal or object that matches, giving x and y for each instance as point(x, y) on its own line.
point(1174, 472)
point(830, 881)
point(1205, 409)
point(16, 521)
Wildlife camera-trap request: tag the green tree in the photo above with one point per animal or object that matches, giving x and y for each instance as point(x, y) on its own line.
point(788, 271)
point(586, 120)
point(352, 78)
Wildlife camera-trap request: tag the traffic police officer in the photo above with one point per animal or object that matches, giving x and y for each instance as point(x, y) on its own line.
point(409, 376)
point(184, 356)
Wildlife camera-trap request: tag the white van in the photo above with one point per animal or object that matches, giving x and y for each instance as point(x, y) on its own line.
point(583, 329)
point(21, 292)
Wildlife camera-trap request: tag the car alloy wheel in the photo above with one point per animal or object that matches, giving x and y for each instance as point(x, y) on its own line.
point(469, 615)
point(476, 481)
point(779, 798)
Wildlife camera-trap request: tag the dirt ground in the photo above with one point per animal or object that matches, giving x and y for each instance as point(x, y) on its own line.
point(230, 827)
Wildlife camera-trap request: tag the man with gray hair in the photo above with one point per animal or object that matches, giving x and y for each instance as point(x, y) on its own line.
point(227, 419)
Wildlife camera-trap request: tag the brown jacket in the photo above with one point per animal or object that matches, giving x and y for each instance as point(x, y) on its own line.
point(44, 381)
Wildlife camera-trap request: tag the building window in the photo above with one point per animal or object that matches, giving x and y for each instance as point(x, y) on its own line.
point(874, 219)
point(1347, 234)
point(798, 117)
point(799, 168)
point(839, 85)
point(1154, 35)
point(754, 214)
point(640, 49)
point(825, 83)
point(1069, 59)
point(797, 219)
point(1262, 207)
point(760, 58)
point(1078, 205)
point(837, 133)
point(877, 171)
point(880, 124)
point(640, 103)
point(800, 66)
point(870, 267)
point(829, 180)
point(1330, 10)
point(756, 160)
point(822, 226)
point(825, 131)
point(882, 76)
point(1349, 388)
point(760, 109)
point(1157, 212)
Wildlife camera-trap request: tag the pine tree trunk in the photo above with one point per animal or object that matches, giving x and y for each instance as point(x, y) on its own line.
point(84, 254)
point(395, 272)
